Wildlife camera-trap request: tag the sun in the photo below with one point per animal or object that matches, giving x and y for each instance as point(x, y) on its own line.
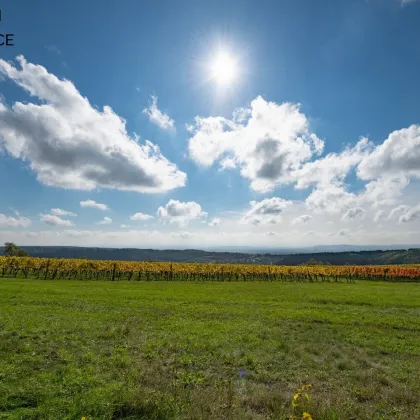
point(224, 68)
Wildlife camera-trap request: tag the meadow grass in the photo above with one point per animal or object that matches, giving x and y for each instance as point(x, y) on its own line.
point(173, 350)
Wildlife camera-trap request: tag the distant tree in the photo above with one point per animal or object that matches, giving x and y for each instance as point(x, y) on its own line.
point(312, 261)
point(12, 250)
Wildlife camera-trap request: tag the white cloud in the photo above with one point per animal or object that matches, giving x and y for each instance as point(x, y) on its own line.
point(93, 204)
point(158, 117)
point(179, 212)
point(70, 144)
point(72, 233)
point(353, 214)
point(124, 226)
point(269, 142)
point(271, 233)
point(105, 221)
point(60, 212)
point(201, 236)
point(14, 221)
point(302, 220)
point(330, 200)
point(410, 215)
point(227, 163)
point(262, 144)
point(398, 155)
point(384, 191)
point(141, 216)
point(183, 235)
point(405, 2)
point(267, 211)
point(332, 168)
point(53, 220)
point(398, 211)
point(215, 222)
point(379, 215)
point(333, 198)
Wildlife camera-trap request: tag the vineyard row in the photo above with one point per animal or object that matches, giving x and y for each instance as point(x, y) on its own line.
point(43, 268)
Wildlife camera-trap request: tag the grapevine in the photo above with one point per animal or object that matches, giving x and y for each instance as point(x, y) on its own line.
point(50, 268)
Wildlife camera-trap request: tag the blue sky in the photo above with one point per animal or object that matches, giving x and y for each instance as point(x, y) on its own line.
point(312, 140)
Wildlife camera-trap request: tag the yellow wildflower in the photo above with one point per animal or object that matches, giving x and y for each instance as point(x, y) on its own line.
point(306, 416)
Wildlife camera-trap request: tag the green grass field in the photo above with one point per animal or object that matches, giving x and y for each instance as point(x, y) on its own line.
point(160, 350)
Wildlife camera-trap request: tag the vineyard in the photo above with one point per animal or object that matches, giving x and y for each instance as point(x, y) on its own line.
point(43, 268)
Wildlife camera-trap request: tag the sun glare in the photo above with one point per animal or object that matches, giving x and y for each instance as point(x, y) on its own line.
point(224, 69)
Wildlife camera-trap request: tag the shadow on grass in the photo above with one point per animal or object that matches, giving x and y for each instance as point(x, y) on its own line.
point(141, 411)
point(15, 402)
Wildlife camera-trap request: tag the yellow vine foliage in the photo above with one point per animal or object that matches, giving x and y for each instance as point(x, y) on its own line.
point(203, 270)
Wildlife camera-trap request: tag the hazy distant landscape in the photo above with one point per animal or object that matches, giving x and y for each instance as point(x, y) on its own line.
point(353, 255)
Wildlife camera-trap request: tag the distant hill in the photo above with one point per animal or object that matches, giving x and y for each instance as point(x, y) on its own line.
point(310, 249)
point(372, 257)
